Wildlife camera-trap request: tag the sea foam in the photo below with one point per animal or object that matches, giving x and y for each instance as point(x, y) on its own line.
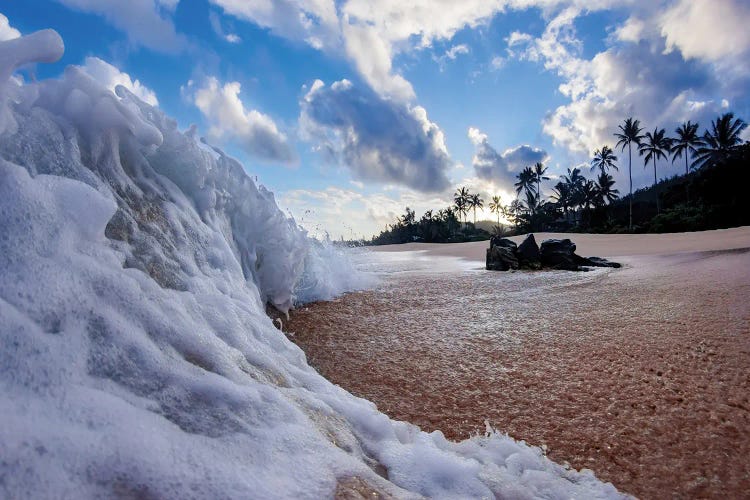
point(136, 358)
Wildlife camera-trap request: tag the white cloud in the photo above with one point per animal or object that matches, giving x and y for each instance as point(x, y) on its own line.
point(369, 33)
point(110, 77)
point(707, 29)
point(451, 54)
point(143, 21)
point(229, 120)
point(312, 21)
point(7, 32)
point(377, 139)
point(632, 30)
point(372, 56)
point(517, 40)
point(501, 169)
point(454, 51)
point(215, 22)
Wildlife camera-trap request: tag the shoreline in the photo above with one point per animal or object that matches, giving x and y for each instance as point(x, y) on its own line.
point(598, 245)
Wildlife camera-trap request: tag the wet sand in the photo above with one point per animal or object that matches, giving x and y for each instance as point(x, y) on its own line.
point(641, 374)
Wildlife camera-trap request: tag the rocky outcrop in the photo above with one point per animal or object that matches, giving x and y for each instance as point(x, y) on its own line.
point(529, 256)
point(558, 254)
point(504, 255)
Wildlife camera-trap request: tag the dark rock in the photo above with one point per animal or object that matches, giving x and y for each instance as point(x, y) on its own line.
point(504, 255)
point(501, 258)
point(596, 262)
point(528, 254)
point(498, 241)
point(559, 254)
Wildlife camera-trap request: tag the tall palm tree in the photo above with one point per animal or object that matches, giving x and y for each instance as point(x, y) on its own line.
point(461, 201)
point(604, 159)
point(723, 138)
point(630, 132)
point(496, 207)
point(686, 142)
point(656, 146)
point(526, 180)
point(539, 171)
point(475, 201)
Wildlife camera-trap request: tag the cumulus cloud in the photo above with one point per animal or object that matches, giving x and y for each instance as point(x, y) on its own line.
point(498, 168)
point(377, 139)
point(7, 32)
point(707, 29)
point(144, 21)
point(229, 120)
point(110, 77)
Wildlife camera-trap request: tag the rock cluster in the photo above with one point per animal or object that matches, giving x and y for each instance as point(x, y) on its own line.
point(504, 255)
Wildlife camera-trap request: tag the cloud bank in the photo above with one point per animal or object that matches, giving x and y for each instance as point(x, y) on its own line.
point(377, 139)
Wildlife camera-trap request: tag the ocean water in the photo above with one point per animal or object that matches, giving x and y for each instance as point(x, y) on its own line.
point(136, 358)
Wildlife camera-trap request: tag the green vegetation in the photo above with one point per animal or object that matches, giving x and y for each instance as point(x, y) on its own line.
point(709, 195)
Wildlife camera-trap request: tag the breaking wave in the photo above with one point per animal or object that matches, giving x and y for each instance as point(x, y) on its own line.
point(136, 358)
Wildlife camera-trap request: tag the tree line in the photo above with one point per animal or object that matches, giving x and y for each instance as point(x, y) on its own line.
point(579, 203)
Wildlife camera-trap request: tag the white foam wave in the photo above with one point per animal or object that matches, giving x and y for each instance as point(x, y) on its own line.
point(136, 359)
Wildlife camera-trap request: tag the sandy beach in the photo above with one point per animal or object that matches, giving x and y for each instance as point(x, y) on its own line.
point(600, 245)
point(641, 374)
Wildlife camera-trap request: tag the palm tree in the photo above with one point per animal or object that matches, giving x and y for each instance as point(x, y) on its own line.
point(461, 201)
point(686, 143)
point(604, 189)
point(539, 171)
point(526, 180)
point(475, 201)
point(496, 207)
point(719, 143)
point(655, 147)
point(532, 204)
point(604, 159)
point(575, 181)
point(630, 132)
point(562, 195)
point(588, 196)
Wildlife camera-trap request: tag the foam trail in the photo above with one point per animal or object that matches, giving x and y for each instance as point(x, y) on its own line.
point(136, 359)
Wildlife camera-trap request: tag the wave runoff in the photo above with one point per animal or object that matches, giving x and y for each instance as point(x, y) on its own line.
point(136, 357)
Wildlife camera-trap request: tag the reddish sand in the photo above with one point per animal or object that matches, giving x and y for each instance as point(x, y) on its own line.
point(641, 374)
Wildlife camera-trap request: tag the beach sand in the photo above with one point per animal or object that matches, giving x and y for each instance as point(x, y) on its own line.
point(641, 374)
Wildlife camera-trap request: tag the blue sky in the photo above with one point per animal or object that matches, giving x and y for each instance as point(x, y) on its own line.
point(350, 110)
